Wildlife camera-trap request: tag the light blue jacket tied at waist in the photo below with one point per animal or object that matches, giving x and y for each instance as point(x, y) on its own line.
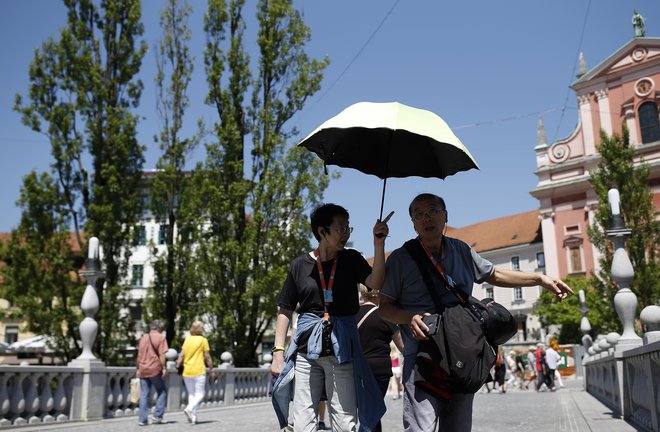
point(346, 346)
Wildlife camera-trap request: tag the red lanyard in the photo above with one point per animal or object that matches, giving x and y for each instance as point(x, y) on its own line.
point(440, 268)
point(326, 287)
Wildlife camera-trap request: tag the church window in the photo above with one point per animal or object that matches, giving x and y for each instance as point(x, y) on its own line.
point(575, 257)
point(649, 122)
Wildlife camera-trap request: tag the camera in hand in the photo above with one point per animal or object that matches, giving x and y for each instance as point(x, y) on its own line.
point(432, 322)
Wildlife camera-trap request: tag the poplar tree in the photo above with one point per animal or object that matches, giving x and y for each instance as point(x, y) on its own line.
point(257, 188)
point(173, 294)
point(83, 88)
point(617, 169)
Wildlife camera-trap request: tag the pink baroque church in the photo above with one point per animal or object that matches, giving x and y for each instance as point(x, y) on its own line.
point(623, 89)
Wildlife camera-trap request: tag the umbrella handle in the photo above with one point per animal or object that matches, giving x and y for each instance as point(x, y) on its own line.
point(382, 199)
point(382, 202)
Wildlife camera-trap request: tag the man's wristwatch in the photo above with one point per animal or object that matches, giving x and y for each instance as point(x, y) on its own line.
point(277, 348)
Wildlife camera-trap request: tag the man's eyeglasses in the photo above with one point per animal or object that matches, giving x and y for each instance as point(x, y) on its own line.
point(430, 213)
point(342, 230)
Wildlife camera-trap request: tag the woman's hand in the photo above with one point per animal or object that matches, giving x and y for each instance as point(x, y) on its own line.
point(278, 363)
point(381, 230)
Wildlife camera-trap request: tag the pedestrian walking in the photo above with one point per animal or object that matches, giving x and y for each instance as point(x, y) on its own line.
point(195, 356)
point(406, 299)
point(511, 368)
point(500, 370)
point(520, 370)
point(152, 371)
point(322, 286)
point(531, 365)
point(552, 359)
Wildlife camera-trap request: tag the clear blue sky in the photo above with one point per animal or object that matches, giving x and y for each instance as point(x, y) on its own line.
point(488, 68)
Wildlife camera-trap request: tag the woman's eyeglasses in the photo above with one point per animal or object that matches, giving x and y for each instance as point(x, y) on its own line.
point(430, 213)
point(342, 230)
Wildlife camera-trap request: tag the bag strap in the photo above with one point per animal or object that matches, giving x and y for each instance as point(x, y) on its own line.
point(419, 256)
point(417, 252)
point(154, 348)
point(366, 315)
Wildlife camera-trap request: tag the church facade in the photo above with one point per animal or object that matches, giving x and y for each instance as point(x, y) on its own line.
point(624, 89)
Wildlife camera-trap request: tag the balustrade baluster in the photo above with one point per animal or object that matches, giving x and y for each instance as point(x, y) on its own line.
point(32, 398)
point(109, 401)
point(60, 399)
point(4, 400)
point(117, 395)
point(46, 401)
point(125, 394)
point(17, 398)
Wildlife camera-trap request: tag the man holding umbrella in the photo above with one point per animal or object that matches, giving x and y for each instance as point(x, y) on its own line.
point(405, 300)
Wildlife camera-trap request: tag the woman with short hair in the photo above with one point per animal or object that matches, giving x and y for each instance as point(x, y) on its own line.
point(195, 353)
point(322, 286)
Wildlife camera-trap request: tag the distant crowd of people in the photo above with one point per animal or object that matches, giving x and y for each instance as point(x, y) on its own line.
point(538, 367)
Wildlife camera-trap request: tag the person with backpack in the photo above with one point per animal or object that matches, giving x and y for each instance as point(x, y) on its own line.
point(541, 368)
point(405, 299)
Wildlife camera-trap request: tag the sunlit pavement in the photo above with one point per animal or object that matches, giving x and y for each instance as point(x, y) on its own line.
point(567, 409)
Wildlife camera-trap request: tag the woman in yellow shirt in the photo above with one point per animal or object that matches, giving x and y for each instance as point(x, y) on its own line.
point(195, 353)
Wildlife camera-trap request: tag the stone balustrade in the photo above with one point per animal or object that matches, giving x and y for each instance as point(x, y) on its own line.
point(628, 382)
point(45, 394)
point(623, 371)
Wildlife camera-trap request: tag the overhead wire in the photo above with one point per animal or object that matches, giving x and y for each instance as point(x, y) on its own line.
point(575, 63)
point(355, 57)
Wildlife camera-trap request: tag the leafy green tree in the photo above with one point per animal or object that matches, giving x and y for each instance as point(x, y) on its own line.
point(616, 169)
point(173, 293)
point(254, 188)
point(83, 87)
point(41, 277)
point(567, 312)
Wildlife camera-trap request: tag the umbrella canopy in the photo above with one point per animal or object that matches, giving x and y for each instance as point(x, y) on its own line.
point(390, 140)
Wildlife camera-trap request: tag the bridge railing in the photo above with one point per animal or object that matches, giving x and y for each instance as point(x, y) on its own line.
point(626, 380)
point(47, 394)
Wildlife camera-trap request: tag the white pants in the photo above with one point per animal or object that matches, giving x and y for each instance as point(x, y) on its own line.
point(311, 375)
point(196, 388)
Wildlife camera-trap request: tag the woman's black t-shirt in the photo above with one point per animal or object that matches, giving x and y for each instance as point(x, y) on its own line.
point(375, 337)
point(302, 287)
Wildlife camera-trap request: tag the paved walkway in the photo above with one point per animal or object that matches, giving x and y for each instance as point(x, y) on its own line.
point(570, 409)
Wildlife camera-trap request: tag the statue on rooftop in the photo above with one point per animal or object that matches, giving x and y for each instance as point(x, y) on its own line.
point(638, 24)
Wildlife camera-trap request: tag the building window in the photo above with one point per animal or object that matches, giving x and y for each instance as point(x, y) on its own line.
point(137, 274)
point(489, 292)
point(571, 230)
point(515, 263)
point(517, 294)
point(540, 259)
point(145, 202)
point(575, 257)
point(649, 122)
point(162, 234)
point(11, 334)
point(140, 236)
